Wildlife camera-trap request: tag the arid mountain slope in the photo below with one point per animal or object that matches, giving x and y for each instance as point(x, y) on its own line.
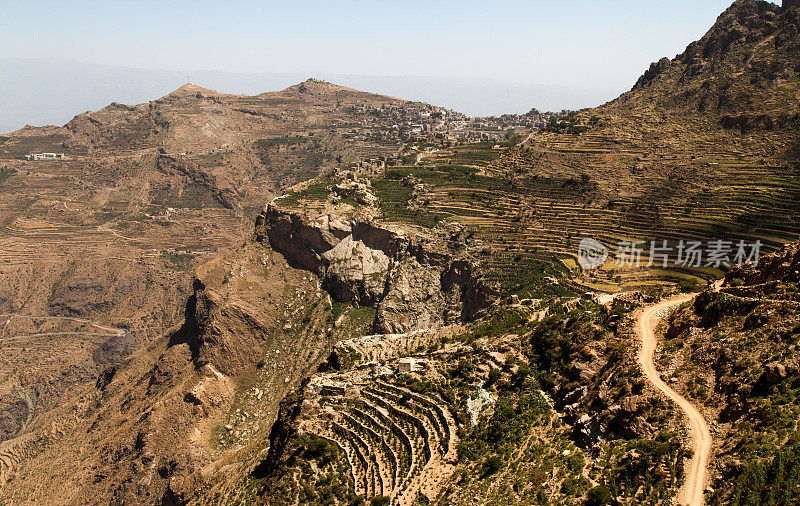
point(147, 192)
point(669, 160)
point(188, 415)
point(194, 120)
point(735, 354)
point(745, 71)
point(647, 166)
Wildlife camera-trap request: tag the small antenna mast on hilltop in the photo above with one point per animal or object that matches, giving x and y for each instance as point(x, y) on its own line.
point(187, 80)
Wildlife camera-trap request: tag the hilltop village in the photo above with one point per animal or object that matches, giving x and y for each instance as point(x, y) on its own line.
point(415, 121)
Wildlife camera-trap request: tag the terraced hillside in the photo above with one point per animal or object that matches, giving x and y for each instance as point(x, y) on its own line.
point(641, 168)
point(409, 328)
point(532, 203)
point(397, 443)
point(396, 447)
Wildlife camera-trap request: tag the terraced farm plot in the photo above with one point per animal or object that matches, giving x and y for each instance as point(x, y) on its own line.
point(399, 444)
point(531, 204)
point(396, 443)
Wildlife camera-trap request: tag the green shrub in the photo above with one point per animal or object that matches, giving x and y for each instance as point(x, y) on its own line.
point(494, 375)
point(491, 465)
point(380, 500)
point(599, 496)
point(318, 449)
point(576, 463)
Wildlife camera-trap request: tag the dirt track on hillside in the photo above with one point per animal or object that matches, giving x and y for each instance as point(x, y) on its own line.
point(106, 331)
point(693, 488)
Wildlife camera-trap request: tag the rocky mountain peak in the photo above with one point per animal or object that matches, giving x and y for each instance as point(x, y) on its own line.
point(740, 72)
point(744, 21)
point(191, 89)
point(314, 86)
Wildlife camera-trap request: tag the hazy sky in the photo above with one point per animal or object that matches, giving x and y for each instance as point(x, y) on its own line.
point(603, 44)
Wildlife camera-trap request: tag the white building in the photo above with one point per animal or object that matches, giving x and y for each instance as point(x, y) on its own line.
point(411, 365)
point(46, 156)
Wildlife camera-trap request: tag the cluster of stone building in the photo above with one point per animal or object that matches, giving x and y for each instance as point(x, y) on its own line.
point(426, 123)
point(326, 386)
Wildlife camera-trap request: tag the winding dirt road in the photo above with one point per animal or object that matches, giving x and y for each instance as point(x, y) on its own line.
point(692, 492)
point(106, 331)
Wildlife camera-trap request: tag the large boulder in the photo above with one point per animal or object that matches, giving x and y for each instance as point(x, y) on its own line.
point(414, 299)
point(356, 272)
point(774, 372)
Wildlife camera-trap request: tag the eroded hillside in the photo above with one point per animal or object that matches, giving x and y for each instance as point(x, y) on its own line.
point(146, 193)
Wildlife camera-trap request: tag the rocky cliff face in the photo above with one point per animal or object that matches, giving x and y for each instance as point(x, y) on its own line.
point(414, 279)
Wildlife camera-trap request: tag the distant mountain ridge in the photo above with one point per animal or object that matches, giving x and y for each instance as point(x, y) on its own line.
point(196, 119)
point(29, 94)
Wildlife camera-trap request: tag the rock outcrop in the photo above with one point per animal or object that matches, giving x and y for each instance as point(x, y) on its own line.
point(415, 279)
point(356, 271)
point(780, 266)
point(222, 190)
point(774, 373)
point(358, 190)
